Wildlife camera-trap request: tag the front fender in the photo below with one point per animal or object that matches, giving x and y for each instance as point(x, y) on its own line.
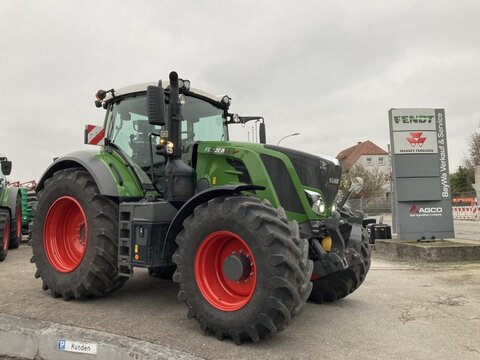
point(110, 174)
point(187, 209)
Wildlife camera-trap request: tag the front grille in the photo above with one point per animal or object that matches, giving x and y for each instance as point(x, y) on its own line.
point(314, 171)
point(282, 183)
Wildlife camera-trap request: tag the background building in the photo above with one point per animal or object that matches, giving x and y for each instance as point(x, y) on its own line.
point(370, 162)
point(366, 154)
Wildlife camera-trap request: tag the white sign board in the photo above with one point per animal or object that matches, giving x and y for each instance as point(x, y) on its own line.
point(413, 119)
point(77, 347)
point(415, 142)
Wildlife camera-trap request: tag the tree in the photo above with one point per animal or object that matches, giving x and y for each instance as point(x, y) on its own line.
point(461, 180)
point(374, 181)
point(473, 150)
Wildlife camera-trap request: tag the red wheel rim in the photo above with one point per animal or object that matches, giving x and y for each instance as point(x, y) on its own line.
point(19, 222)
point(6, 236)
point(65, 234)
point(221, 292)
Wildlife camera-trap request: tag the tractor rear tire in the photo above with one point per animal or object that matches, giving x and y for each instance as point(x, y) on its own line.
point(340, 284)
point(74, 238)
point(267, 285)
point(16, 229)
point(4, 233)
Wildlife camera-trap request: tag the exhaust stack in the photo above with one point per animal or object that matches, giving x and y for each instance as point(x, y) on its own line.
point(180, 179)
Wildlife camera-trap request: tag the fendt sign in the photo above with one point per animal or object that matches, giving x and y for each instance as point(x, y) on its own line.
point(422, 207)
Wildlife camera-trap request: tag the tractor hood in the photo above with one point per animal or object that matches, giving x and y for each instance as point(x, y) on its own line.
point(320, 172)
point(313, 172)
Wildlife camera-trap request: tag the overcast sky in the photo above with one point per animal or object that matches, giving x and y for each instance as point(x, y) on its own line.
point(329, 70)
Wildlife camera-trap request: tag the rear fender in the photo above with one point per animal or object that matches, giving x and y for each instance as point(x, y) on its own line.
point(111, 175)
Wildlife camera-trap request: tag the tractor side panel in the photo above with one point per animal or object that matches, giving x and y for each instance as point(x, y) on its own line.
point(13, 193)
point(113, 178)
point(237, 167)
point(229, 163)
point(4, 197)
point(8, 200)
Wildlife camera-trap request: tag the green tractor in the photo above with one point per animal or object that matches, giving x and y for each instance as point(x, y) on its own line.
point(245, 229)
point(10, 212)
point(29, 199)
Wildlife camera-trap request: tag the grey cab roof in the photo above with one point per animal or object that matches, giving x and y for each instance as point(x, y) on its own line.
point(135, 88)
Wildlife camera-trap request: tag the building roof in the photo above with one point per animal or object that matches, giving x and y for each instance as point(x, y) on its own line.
point(349, 157)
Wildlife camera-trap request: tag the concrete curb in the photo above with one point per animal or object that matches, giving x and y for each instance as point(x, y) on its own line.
point(428, 252)
point(33, 339)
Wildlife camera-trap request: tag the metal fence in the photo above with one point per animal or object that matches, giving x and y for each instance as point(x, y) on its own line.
point(372, 206)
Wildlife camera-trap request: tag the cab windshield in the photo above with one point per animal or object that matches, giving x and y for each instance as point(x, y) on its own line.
point(129, 130)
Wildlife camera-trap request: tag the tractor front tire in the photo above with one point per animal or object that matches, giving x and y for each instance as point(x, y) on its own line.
point(340, 284)
point(164, 272)
point(242, 267)
point(4, 233)
point(16, 229)
point(74, 238)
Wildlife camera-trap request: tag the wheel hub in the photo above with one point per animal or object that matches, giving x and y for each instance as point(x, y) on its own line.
point(225, 270)
point(65, 234)
point(237, 267)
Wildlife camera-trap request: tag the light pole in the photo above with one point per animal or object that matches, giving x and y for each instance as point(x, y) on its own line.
point(294, 134)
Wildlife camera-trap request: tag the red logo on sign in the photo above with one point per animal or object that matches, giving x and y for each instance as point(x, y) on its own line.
point(416, 139)
point(413, 210)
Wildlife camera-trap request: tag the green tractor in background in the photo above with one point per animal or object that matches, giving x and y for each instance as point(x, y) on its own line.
point(29, 199)
point(10, 211)
point(245, 229)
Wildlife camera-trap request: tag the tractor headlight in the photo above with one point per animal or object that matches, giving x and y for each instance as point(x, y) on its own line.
point(316, 201)
point(334, 207)
point(182, 99)
point(184, 84)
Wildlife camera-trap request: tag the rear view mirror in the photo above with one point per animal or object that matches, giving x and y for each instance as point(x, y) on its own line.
point(156, 105)
point(6, 167)
point(262, 134)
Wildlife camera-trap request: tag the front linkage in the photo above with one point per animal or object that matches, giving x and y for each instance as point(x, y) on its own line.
point(342, 261)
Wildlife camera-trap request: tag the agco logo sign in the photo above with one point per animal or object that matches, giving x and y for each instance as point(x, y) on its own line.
point(416, 139)
point(425, 211)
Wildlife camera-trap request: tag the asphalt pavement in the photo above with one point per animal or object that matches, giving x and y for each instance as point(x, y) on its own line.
point(403, 311)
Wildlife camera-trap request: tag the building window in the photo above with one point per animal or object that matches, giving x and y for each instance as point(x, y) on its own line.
point(369, 161)
point(381, 161)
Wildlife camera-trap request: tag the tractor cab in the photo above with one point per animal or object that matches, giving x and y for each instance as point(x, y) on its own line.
point(127, 128)
point(127, 125)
